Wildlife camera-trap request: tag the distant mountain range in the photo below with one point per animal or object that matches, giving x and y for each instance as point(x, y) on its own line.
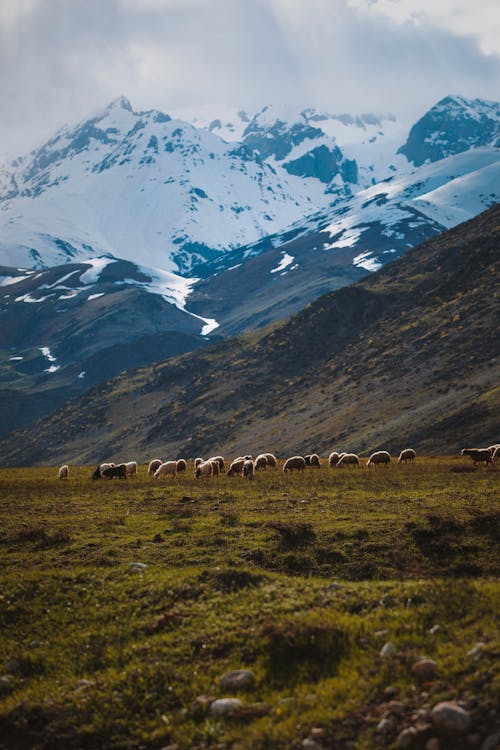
point(406, 357)
point(135, 236)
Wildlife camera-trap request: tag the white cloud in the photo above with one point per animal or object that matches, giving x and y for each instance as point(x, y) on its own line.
point(477, 18)
point(62, 61)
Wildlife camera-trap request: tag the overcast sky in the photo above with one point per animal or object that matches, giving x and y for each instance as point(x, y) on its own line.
point(63, 60)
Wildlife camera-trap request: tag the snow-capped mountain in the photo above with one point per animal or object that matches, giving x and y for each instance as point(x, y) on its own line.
point(67, 328)
point(453, 125)
point(276, 277)
point(141, 185)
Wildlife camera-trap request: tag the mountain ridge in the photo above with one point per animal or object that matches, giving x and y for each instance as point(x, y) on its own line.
point(404, 355)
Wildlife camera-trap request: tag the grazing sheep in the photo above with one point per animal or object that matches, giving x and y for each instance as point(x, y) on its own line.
point(496, 453)
point(64, 472)
point(271, 460)
point(347, 459)
point(99, 470)
point(379, 458)
point(205, 469)
point(260, 462)
point(478, 455)
point(248, 470)
point(408, 454)
point(115, 472)
point(198, 462)
point(297, 463)
point(313, 460)
point(493, 448)
point(168, 468)
point(181, 466)
point(154, 465)
point(236, 467)
point(131, 467)
point(220, 461)
point(333, 459)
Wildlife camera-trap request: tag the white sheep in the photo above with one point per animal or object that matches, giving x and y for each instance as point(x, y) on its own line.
point(154, 465)
point(347, 459)
point(271, 460)
point(236, 467)
point(313, 460)
point(248, 469)
point(408, 454)
point(260, 462)
point(64, 472)
point(205, 469)
point(198, 462)
point(131, 468)
point(168, 468)
point(220, 461)
point(333, 459)
point(379, 458)
point(297, 463)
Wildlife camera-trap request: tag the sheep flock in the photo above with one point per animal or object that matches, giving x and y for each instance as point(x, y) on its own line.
point(246, 467)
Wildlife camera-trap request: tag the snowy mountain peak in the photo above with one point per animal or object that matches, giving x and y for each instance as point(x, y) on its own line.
point(120, 103)
point(453, 125)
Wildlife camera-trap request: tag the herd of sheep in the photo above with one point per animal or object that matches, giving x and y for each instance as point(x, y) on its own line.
point(246, 466)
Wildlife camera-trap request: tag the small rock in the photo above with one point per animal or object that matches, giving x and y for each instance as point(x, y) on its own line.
point(449, 717)
point(83, 685)
point(386, 725)
point(310, 744)
point(225, 706)
point(388, 650)
point(137, 567)
point(433, 744)
point(476, 651)
point(13, 665)
point(424, 669)
point(396, 707)
point(317, 732)
point(334, 587)
point(492, 742)
point(238, 679)
point(391, 691)
point(433, 631)
point(381, 633)
point(6, 683)
point(406, 737)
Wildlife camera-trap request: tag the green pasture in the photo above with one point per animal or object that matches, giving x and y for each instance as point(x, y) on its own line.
point(300, 578)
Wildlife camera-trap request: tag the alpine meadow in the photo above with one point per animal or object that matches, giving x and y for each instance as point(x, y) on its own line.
point(249, 375)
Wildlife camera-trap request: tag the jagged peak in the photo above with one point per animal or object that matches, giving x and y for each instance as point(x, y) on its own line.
point(120, 102)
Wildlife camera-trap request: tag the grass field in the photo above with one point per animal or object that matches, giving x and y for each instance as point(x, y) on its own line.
point(301, 579)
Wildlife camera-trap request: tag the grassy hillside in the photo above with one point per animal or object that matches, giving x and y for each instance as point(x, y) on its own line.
point(300, 579)
point(408, 355)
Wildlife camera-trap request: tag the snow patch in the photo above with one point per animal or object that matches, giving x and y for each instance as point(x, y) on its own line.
point(210, 325)
point(29, 298)
point(47, 353)
point(97, 266)
point(81, 374)
point(8, 280)
point(15, 359)
point(95, 296)
point(364, 261)
point(348, 239)
point(284, 262)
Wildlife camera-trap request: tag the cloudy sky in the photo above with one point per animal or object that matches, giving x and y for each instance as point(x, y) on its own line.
point(64, 60)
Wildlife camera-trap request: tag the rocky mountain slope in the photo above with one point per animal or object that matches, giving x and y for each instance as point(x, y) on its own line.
point(70, 327)
point(408, 355)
